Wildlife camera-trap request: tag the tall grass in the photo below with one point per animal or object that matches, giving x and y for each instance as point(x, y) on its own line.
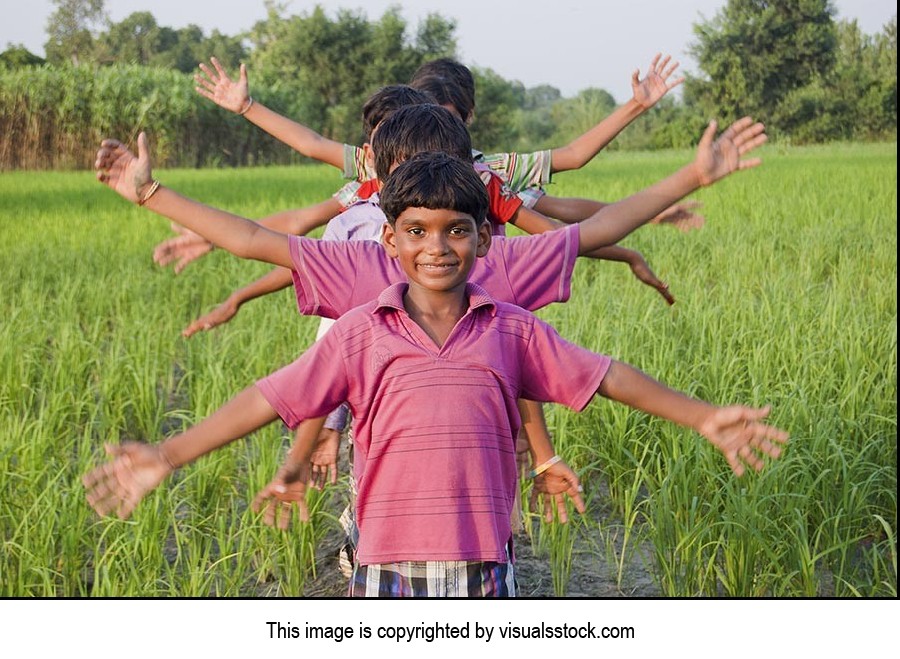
point(787, 296)
point(54, 118)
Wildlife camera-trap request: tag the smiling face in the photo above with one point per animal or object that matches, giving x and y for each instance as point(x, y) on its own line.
point(436, 248)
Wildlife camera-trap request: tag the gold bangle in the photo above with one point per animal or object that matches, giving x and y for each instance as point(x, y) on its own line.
point(247, 107)
point(541, 468)
point(152, 191)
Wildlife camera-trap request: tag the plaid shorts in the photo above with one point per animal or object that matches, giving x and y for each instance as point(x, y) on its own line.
point(434, 579)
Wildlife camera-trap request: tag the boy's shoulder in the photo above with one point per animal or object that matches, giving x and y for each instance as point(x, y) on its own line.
point(362, 220)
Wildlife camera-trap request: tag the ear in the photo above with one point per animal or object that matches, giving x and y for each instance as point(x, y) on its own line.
point(484, 239)
point(389, 239)
point(369, 155)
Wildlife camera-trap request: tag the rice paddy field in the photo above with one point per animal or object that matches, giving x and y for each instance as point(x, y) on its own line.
point(788, 297)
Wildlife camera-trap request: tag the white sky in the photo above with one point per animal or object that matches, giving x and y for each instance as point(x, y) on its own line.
point(570, 44)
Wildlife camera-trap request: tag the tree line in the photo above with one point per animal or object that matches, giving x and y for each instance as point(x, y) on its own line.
point(792, 63)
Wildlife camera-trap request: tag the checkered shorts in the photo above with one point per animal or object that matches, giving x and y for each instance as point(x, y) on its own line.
point(434, 579)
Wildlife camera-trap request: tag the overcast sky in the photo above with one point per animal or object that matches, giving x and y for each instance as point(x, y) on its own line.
point(570, 44)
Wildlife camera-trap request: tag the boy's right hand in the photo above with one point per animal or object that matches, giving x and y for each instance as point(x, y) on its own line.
point(323, 460)
point(218, 316)
point(120, 485)
point(717, 159)
point(118, 168)
point(282, 493)
point(215, 85)
point(184, 248)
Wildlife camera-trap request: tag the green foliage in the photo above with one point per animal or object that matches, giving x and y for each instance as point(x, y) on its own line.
point(754, 52)
point(332, 65)
point(71, 29)
point(787, 296)
point(55, 117)
point(17, 56)
point(496, 103)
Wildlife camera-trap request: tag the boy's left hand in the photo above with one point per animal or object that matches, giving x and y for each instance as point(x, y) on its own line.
point(717, 159)
point(655, 84)
point(118, 168)
point(681, 216)
point(641, 269)
point(737, 432)
point(552, 485)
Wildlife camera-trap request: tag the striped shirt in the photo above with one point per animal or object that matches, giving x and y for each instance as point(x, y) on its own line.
point(434, 427)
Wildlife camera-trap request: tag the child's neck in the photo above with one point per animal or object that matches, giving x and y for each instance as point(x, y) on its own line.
point(436, 312)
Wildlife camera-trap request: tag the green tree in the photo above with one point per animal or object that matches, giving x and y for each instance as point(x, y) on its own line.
point(71, 29)
point(755, 52)
point(574, 116)
point(134, 40)
point(497, 102)
point(17, 55)
point(334, 64)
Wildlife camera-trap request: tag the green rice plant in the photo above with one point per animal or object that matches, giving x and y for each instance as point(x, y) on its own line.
point(786, 297)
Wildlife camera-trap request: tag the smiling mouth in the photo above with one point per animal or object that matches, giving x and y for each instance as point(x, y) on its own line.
point(436, 266)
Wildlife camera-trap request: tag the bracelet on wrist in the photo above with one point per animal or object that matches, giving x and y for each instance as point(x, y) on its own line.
point(244, 110)
point(154, 186)
point(544, 466)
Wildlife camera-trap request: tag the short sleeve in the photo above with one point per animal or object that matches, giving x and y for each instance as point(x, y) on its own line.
point(354, 163)
point(504, 204)
point(311, 386)
point(520, 170)
point(326, 274)
point(556, 370)
point(539, 267)
point(348, 194)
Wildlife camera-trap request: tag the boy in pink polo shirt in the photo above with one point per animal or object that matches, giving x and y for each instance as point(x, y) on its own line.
point(432, 370)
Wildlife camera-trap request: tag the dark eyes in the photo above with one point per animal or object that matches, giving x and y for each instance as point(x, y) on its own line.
point(457, 231)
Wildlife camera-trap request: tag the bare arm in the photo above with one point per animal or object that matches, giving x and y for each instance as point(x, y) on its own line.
point(188, 246)
point(131, 177)
point(276, 280)
point(300, 221)
point(735, 430)
point(234, 95)
point(647, 92)
point(136, 469)
point(568, 209)
point(715, 160)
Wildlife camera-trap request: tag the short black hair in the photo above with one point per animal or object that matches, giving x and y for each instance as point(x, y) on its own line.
point(417, 128)
point(387, 100)
point(445, 67)
point(445, 91)
point(438, 181)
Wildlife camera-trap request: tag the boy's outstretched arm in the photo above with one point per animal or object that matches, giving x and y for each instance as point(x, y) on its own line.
point(715, 160)
point(647, 92)
point(278, 279)
point(234, 95)
point(188, 246)
point(736, 430)
point(639, 267)
point(682, 215)
point(136, 468)
point(131, 177)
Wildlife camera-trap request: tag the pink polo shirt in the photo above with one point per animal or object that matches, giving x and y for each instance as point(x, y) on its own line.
point(332, 277)
point(434, 428)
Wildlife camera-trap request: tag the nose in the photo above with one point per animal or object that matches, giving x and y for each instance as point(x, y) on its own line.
point(437, 244)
